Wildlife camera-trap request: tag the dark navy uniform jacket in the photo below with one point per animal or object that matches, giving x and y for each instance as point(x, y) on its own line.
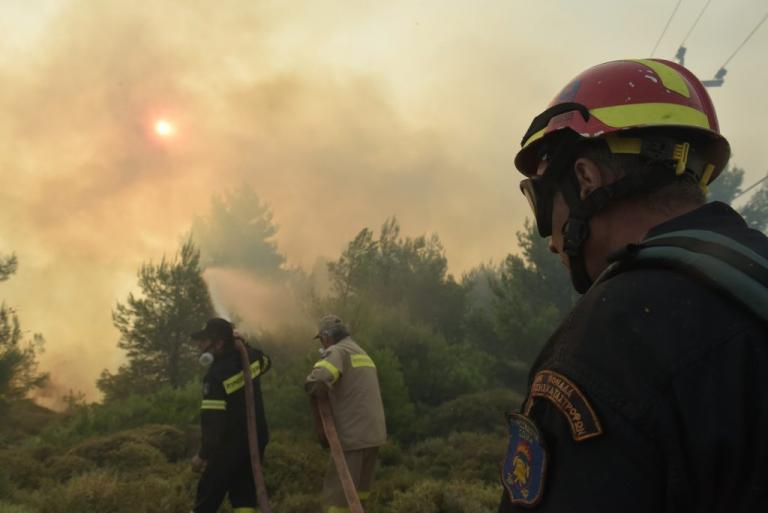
point(223, 413)
point(652, 395)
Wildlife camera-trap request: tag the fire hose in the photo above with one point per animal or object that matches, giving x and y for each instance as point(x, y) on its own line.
point(337, 454)
point(253, 438)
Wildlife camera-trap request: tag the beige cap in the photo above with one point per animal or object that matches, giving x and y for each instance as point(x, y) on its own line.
point(329, 323)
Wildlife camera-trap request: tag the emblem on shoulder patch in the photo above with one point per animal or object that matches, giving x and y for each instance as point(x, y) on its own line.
point(522, 473)
point(570, 400)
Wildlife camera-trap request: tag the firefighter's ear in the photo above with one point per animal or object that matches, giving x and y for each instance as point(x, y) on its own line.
point(588, 175)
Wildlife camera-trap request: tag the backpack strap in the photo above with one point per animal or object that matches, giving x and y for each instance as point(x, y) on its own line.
point(719, 261)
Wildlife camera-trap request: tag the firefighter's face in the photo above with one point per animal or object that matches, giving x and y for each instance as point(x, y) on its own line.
point(326, 341)
point(203, 345)
point(208, 345)
point(558, 217)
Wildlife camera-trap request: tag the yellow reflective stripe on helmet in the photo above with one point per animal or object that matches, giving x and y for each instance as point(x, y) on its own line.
point(325, 364)
point(337, 509)
point(640, 114)
point(619, 144)
point(670, 77)
point(534, 137)
point(245, 510)
point(212, 404)
point(362, 360)
point(634, 145)
point(235, 383)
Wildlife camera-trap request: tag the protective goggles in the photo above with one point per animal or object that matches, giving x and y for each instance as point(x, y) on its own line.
point(540, 192)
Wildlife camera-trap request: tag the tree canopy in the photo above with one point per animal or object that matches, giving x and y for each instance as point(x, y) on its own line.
point(239, 232)
point(155, 325)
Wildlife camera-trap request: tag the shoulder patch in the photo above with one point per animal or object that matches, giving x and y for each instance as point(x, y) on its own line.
point(571, 402)
point(522, 473)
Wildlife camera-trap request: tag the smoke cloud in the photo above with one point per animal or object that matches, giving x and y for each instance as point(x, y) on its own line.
point(338, 114)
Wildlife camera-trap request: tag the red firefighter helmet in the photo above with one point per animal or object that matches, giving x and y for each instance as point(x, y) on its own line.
point(629, 95)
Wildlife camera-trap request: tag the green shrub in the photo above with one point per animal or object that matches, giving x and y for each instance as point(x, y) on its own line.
point(294, 465)
point(390, 454)
point(469, 456)
point(23, 470)
point(133, 457)
point(481, 412)
point(105, 491)
point(434, 369)
point(430, 496)
point(23, 418)
point(94, 491)
point(390, 481)
point(7, 507)
point(172, 442)
point(285, 401)
point(5, 484)
point(299, 503)
point(65, 467)
point(400, 410)
point(136, 448)
point(174, 407)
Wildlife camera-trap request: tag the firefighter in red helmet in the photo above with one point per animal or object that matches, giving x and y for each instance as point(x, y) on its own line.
point(650, 396)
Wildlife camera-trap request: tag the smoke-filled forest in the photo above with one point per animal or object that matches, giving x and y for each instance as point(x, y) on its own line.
point(452, 355)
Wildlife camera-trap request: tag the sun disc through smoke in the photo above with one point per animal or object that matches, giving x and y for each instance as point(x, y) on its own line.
point(164, 128)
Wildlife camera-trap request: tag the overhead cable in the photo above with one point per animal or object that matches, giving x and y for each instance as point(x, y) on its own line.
point(696, 22)
point(745, 41)
point(666, 27)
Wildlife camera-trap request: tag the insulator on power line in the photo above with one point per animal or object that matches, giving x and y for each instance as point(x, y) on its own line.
point(718, 80)
point(680, 55)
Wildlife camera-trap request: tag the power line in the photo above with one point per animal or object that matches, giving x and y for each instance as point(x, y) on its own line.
point(696, 22)
point(745, 41)
point(680, 55)
point(720, 75)
point(666, 27)
point(751, 186)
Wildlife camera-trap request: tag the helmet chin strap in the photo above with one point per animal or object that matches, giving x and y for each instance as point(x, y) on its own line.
point(575, 233)
point(576, 230)
point(662, 166)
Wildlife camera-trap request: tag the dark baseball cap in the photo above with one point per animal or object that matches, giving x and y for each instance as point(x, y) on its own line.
point(215, 329)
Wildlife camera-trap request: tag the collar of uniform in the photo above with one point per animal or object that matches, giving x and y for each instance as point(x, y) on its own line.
point(345, 339)
point(715, 216)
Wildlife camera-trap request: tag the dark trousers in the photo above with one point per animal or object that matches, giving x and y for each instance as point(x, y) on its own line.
point(226, 476)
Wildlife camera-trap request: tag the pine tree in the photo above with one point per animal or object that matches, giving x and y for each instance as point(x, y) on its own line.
point(238, 232)
point(155, 326)
point(18, 359)
point(728, 189)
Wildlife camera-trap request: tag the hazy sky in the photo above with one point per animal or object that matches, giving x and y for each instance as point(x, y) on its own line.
point(339, 114)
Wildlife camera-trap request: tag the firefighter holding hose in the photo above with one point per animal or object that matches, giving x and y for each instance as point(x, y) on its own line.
point(224, 456)
point(345, 379)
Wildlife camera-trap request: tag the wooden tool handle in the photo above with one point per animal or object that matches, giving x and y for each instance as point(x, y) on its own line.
point(337, 453)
